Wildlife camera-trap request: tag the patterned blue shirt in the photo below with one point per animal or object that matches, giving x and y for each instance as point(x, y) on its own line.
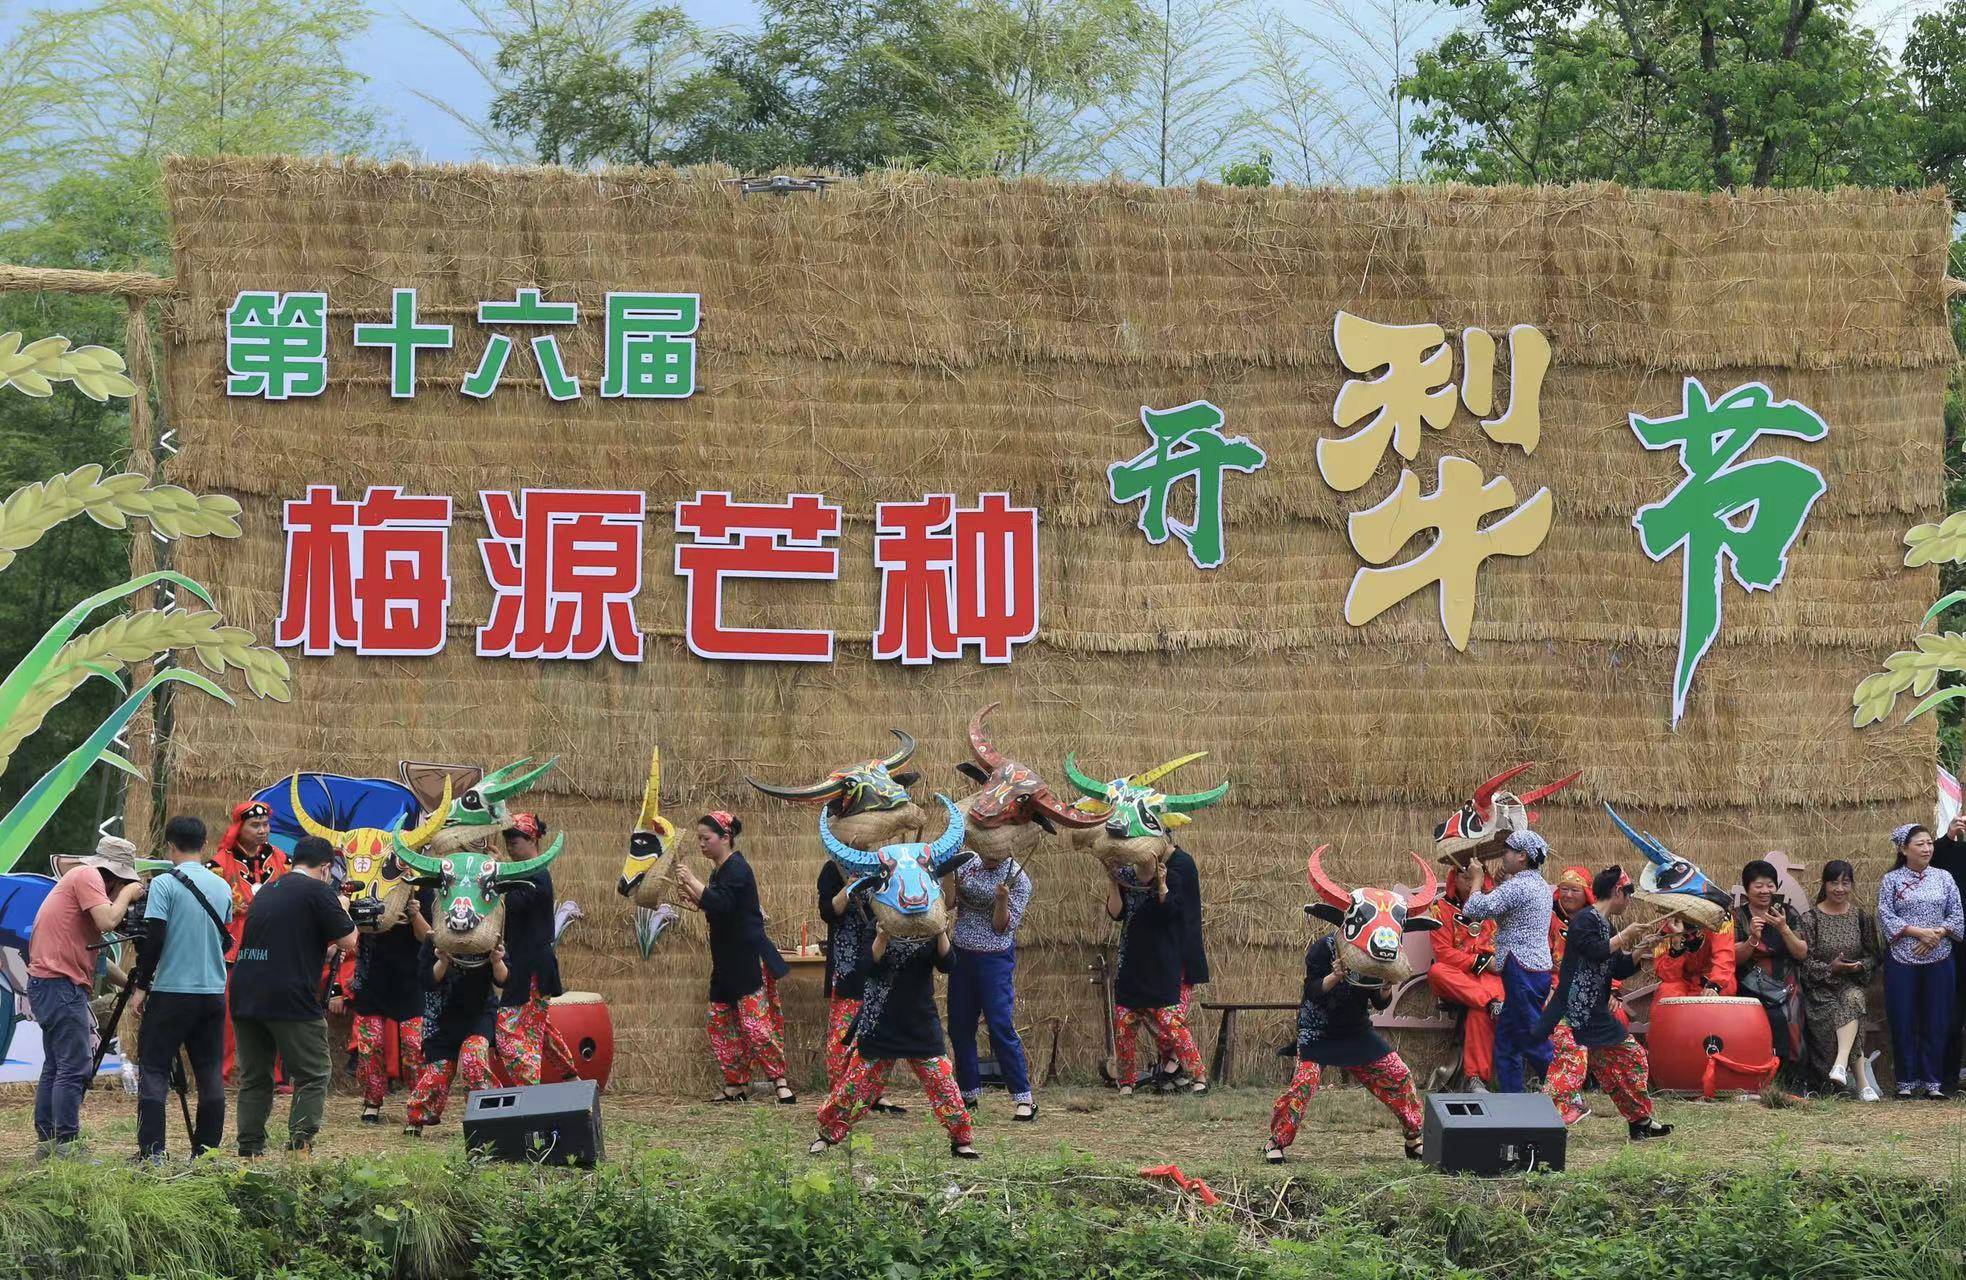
point(1928, 899)
point(976, 903)
point(1520, 906)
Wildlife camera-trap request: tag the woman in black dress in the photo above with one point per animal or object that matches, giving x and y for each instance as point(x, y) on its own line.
point(743, 1032)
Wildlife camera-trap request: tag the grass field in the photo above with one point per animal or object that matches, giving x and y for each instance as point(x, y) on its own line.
point(1818, 1190)
point(1221, 1134)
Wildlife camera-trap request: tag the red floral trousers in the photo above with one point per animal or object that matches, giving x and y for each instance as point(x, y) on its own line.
point(1386, 1077)
point(865, 1081)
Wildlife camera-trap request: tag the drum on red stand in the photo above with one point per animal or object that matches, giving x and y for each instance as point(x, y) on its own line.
point(582, 1020)
point(1730, 1034)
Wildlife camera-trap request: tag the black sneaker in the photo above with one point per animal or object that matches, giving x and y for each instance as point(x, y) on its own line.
point(1650, 1127)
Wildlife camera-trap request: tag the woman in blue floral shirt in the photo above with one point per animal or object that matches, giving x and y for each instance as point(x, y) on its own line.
point(1918, 914)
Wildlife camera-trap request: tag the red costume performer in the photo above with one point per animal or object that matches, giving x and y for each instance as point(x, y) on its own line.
point(1695, 962)
point(247, 863)
point(1463, 974)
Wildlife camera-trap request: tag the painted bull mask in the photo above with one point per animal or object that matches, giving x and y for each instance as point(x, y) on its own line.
point(648, 877)
point(1674, 887)
point(478, 815)
point(907, 897)
point(1372, 923)
point(374, 874)
point(1137, 816)
point(1492, 816)
point(470, 909)
point(869, 802)
point(1004, 818)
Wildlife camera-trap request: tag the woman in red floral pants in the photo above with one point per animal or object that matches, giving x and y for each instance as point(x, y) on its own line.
point(744, 1031)
point(459, 1011)
point(1334, 1029)
point(897, 1021)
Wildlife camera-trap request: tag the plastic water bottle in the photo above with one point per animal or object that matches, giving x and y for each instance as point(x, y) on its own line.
point(129, 1075)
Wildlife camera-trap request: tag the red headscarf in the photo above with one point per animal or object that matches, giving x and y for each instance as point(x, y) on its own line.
point(1578, 878)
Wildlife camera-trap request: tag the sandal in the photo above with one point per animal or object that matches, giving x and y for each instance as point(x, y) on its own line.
point(1273, 1154)
point(1198, 1089)
point(786, 1097)
point(819, 1147)
point(1415, 1146)
point(1025, 1112)
point(732, 1093)
point(887, 1108)
point(963, 1151)
point(371, 1115)
point(1126, 1091)
point(412, 1131)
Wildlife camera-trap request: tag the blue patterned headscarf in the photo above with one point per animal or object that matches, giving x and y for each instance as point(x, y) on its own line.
point(1902, 835)
point(1531, 846)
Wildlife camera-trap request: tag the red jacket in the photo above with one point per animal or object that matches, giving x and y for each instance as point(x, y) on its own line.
point(1456, 945)
point(245, 878)
point(1712, 961)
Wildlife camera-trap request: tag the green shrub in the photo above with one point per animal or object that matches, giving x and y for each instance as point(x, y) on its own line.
point(764, 1213)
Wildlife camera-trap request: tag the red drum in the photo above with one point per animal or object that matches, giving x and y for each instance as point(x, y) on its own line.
point(1728, 1034)
point(582, 1019)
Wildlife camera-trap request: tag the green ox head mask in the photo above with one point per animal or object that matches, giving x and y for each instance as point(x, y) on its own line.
point(470, 911)
point(1138, 816)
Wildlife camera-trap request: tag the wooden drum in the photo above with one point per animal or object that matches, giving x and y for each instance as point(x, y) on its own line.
point(582, 1020)
point(1730, 1034)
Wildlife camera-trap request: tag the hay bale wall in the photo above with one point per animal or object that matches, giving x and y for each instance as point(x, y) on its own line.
point(903, 335)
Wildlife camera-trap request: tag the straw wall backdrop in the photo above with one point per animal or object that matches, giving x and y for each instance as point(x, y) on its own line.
point(903, 335)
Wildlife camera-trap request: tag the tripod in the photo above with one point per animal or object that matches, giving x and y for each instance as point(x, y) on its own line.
point(179, 1084)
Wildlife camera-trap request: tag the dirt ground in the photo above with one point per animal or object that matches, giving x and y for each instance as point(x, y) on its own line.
point(1222, 1134)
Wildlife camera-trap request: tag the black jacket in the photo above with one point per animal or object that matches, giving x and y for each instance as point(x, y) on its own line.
point(1583, 986)
point(897, 1016)
point(1334, 1028)
point(737, 931)
point(464, 1004)
point(529, 939)
point(1149, 972)
point(1194, 954)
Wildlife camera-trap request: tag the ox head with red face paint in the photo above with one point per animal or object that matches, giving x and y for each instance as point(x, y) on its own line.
point(1490, 817)
point(1372, 922)
point(1005, 817)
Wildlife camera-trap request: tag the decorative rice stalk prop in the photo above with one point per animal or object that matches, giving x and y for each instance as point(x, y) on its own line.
point(34, 369)
point(32, 510)
point(127, 641)
point(25, 820)
point(1938, 654)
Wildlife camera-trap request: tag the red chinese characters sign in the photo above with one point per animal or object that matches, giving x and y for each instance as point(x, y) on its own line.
point(565, 566)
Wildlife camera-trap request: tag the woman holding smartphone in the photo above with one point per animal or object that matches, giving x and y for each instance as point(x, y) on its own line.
point(1843, 950)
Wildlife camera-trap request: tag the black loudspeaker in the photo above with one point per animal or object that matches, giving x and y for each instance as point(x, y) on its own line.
point(1493, 1132)
point(537, 1123)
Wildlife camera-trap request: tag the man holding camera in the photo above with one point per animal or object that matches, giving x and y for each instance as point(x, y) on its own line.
point(61, 975)
point(276, 995)
point(180, 989)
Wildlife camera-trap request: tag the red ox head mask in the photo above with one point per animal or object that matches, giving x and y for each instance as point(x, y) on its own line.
point(1005, 816)
point(1491, 816)
point(1372, 922)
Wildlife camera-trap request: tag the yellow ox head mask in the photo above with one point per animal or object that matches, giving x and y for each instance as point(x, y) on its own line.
point(375, 875)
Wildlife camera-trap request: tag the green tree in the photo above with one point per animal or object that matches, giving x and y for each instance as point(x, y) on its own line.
point(1690, 94)
point(116, 87)
point(964, 86)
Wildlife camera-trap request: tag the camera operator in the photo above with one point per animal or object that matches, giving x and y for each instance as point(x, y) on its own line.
point(276, 995)
point(61, 975)
point(181, 965)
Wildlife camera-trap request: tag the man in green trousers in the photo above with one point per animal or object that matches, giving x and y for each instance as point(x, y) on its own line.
point(294, 925)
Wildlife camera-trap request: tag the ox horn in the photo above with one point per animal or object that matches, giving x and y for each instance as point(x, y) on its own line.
point(1429, 888)
point(979, 741)
point(414, 860)
point(901, 753)
point(1063, 814)
point(503, 784)
point(855, 862)
point(1159, 771)
point(508, 871)
point(817, 791)
point(1484, 796)
point(1542, 793)
point(950, 842)
point(306, 820)
point(1196, 799)
point(1328, 889)
point(431, 825)
point(1087, 787)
